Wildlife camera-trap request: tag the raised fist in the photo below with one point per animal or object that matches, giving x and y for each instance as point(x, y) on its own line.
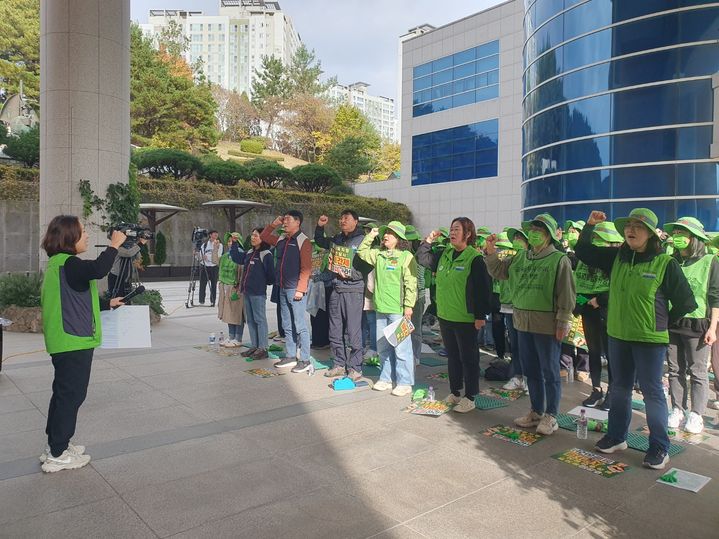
point(278, 221)
point(432, 236)
point(596, 217)
point(323, 220)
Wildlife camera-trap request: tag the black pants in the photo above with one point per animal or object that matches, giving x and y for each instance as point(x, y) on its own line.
point(595, 333)
point(345, 314)
point(498, 333)
point(460, 341)
point(320, 322)
point(211, 275)
point(69, 389)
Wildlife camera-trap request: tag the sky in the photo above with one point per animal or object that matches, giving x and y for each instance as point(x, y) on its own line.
point(356, 40)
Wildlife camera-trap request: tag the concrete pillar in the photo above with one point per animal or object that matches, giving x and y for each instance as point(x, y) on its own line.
point(84, 105)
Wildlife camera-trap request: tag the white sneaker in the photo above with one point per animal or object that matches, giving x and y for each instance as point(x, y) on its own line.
point(547, 425)
point(465, 405)
point(72, 448)
point(532, 419)
point(66, 461)
point(452, 399)
point(517, 382)
point(381, 385)
point(401, 391)
point(694, 424)
point(675, 418)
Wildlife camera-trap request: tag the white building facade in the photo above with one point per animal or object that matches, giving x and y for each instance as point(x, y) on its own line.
point(379, 110)
point(461, 122)
point(231, 45)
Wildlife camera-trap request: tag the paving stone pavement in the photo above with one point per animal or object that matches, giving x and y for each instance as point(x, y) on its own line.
point(185, 443)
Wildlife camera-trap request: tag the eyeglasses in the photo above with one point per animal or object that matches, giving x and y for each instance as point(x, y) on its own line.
point(633, 226)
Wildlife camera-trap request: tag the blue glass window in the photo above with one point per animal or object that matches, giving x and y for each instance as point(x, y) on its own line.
point(460, 153)
point(436, 84)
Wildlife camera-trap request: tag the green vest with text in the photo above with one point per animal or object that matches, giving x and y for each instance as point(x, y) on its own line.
point(590, 281)
point(698, 276)
point(533, 281)
point(228, 270)
point(389, 287)
point(632, 300)
point(70, 319)
point(452, 275)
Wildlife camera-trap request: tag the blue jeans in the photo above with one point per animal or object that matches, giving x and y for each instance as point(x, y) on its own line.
point(295, 312)
point(235, 331)
point(540, 361)
point(397, 362)
point(645, 362)
point(515, 366)
point(484, 336)
point(256, 320)
point(369, 329)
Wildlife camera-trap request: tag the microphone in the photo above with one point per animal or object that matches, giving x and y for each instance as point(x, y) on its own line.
point(139, 290)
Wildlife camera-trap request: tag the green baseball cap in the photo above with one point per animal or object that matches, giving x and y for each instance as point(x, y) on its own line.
point(396, 227)
point(545, 220)
point(691, 224)
point(511, 232)
point(503, 241)
point(411, 233)
point(644, 215)
point(607, 231)
point(576, 225)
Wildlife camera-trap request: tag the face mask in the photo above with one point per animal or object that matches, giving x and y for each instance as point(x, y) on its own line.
point(680, 242)
point(598, 242)
point(572, 238)
point(536, 238)
point(518, 245)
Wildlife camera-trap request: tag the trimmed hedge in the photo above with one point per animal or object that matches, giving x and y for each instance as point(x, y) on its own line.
point(159, 162)
point(224, 172)
point(247, 155)
point(314, 178)
point(252, 146)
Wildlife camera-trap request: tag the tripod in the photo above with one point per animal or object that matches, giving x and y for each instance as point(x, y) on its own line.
point(198, 268)
point(126, 277)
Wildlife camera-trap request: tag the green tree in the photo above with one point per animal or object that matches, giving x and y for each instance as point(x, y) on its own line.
point(160, 248)
point(24, 147)
point(349, 158)
point(314, 178)
point(388, 160)
point(264, 173)
point(350, 122)
point(20, 46)
point(167, 108)
point(270, 90)
point(304, 73)
point(3, 133)
point(304, 126)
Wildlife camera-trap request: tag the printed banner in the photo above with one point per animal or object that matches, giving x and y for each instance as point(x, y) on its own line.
point(512, 435)
point(597, 464)
point(433, 408)
point(398, 331)
point(575, 337)
point(340, 260)
point(317, 257)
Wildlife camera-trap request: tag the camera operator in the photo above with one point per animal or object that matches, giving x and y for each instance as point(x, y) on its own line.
point(119, 280)
point(210, 252)
point(71, 325)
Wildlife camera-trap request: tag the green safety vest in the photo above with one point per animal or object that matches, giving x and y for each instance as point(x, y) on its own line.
point(632, 297)
point(533, 281)
point(452, 275)
point(70, 319)
point(698, 276)
point(505, 293)
point(590, 282)
point(228, 270)
point(389, 288)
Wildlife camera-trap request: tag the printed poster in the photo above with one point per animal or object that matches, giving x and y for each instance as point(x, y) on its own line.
point(127, 326)
point(398, 331)
point(340, 260)
point(506, 394)
point(512, 435)
point(317, 257)
point(575, 337)
point(592, 462)
point(433, 408)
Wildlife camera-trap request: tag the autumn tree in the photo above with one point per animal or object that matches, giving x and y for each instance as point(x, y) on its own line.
point(20, 46)
point(304, 123)
point(237, 117)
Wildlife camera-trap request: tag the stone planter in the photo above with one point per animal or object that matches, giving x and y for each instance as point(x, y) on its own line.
point(24, 319)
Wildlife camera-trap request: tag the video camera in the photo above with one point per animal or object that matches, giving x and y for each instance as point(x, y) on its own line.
point(133, 232)
point(199, 236)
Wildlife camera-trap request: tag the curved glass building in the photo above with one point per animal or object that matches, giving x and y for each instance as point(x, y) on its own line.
point(618, 108)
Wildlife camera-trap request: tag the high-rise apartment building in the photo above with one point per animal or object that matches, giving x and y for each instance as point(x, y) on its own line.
point(231, 45)
point(379, 110)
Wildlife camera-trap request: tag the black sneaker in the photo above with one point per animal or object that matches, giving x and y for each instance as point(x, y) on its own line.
point(606, 403)
point(594, 398)
point(610, 445)
point(301, 366)
point(260, 353)
point(656, 458)
point(286, 362)
point(249, 352)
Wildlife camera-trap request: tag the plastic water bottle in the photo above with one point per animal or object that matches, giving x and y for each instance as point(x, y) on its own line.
point(222, 338)
point(430, 393)
point(570, 374)
point(213, 341)
point(582, 424)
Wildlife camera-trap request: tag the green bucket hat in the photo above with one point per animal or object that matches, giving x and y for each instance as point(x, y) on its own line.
point(547, 221)
point(645, 215)
point(503, 241)
point(236, 235)
point(444, 231)
point(577, 225)
point(691, 224)
point(396, 227)
point(411, 233)
point(511, 232)
point(608, 232)
point(370, 225)
point(483, 231)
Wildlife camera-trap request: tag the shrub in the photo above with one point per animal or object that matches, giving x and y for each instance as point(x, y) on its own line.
point(160, 249)
point(20, 289)
point(252, 146)
point(24, 147)
point(341, 190)
point(159, 162)
point(224, 172)
point(314, 178)
point(265, 173)
point(145, 254)
point(153, 298)
point(247, 155)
